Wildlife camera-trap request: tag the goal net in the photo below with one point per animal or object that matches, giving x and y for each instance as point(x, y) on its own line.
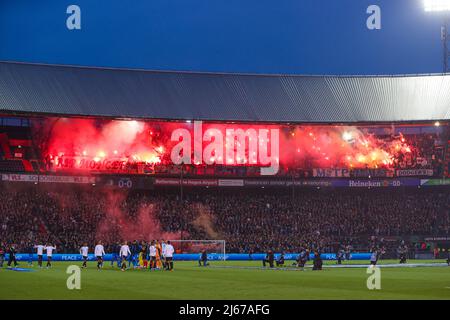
point(197, 246)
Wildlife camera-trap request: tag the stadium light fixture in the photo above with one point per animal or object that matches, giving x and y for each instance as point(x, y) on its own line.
point(441, 7)
point(437, 5)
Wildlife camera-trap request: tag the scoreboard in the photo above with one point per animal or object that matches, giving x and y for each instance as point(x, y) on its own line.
point(365, 37)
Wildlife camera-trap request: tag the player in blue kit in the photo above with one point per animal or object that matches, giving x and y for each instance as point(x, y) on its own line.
point(30, 250)
point(115, 255)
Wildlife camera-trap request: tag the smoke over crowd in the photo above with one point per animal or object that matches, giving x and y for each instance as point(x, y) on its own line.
point(112, 144)
point(144, 224)
point(343, 146)
point(88, 139)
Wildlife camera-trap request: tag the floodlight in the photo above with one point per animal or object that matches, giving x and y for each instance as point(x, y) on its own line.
point(437, 5)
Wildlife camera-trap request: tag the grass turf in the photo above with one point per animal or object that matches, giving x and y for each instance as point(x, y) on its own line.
point(188, 281)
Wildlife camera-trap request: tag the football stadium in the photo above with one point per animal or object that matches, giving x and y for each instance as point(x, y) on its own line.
point(200, 152)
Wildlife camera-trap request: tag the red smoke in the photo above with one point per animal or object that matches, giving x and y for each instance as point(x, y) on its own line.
point(91, 144)
point(119, 225)
point(339, 147)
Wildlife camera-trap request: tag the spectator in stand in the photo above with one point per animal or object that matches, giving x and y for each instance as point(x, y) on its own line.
point(313, 219)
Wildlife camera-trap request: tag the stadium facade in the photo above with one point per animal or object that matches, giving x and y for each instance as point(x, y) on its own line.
point(324, 127)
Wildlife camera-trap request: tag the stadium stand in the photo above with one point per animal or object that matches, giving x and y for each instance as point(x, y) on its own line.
point(265, 220)
point(12, 166)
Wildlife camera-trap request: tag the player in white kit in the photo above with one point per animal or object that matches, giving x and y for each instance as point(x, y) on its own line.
point(168, 254)
point(49, 249)
point(84, 251)
point(152, 252)
point(124, 253)
point(99, 252)
point(40, 252)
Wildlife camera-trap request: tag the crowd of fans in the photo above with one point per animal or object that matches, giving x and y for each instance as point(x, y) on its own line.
point(325, 218)
point(249, 220)
point(427, 151)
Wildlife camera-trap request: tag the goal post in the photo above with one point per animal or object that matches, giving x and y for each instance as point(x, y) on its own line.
point(197, 246)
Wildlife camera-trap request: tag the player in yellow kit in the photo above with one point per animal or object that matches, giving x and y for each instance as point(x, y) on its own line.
point(158, 255)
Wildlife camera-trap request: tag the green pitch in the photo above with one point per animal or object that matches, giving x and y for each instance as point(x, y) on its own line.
point(188, 281)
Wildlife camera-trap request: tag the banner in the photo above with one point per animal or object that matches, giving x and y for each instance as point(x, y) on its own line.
point(435, 182)
point(414, 172)
point(331, 173)
point(265, 182)
point(288, 183)
point(356, 173)
point(437, 239)
point(318, 183)
point(231, 183)
point(186, 182)
point(200, 182)
point(48, 178)
point(67, 179)
point(383, 183)
point(372, 173)
point(191, 256)
point(20, 177)
point(149, 182)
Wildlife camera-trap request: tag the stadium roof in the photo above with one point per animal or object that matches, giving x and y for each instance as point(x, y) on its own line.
point(121, 93)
